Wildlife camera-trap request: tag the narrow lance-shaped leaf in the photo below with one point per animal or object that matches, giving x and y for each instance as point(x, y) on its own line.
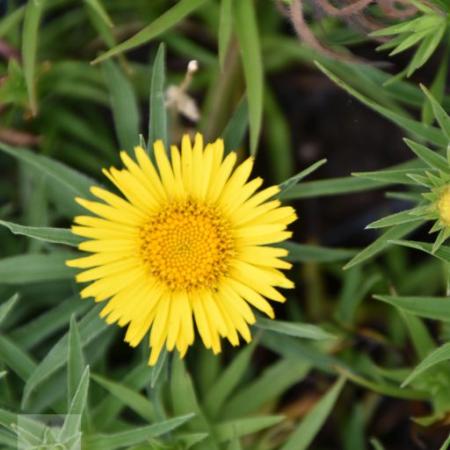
point(313, 422)
point(236, 128)
point(442, 253)
point(242, 427)
point(418, 129)
point(266, 388)
point(158, 368)
point(72, 422)
point(431, 158)
point(157, 126)
point(35, 268)
point(33, 13)
point(376, 444)
point(129, 397)
point(446, 444)
point(91, 326)
point(7, 306)
point(136, 435)
point(439, 112)
point(380, 244)
point(101, 11)
point(228, 381)
point(73, 182)
point(294, 329)
point(75, 359)
point(124, 106)
point(438, 356)
point(46, 234)
point(164, 22)
point(395, 219)
point(437, 308)
point(15, 358)
point(32, 333)
point(285, 186)
point(248, 36)
point(437, 90)
point(315, 253)
point(225, 28)
point(345, 185)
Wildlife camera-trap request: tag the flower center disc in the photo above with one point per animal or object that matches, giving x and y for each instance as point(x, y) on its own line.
point(187, 245)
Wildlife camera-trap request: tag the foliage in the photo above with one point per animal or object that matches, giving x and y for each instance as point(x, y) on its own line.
point(92, 78)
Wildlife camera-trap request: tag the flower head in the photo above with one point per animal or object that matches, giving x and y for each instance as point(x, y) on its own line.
point(443, 206)
point(188, 243)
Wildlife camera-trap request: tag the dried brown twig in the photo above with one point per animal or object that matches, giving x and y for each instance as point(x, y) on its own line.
point(354, 12)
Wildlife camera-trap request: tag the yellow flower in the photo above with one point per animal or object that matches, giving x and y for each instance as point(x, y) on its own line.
point(443, 206)
point(188, 242)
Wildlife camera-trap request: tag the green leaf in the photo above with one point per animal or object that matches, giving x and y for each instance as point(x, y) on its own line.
point(419, 334)
point(35, 268)
point(225, 29)
point(91, 326)
point(315, 253)
point(446, 444)
point(184, 399)
point(437, 308)
point(285, 186)
point(246, 28)
point(437, 90)
point(33, 13)
point(395, 219)
point(425, 50)
point(442, 253)
point(72, 422)
point(124, 106)
point(403, 27)
point(158, 368)
point(15, 358)
point(302, 437)
point(416, 128)
point(332, 186)
point(433, 159)
point(7, 306)
point(110, 407)
point(439, 355)
point(267, 388)
point(242, 427)
point(278, 143)
point(128, 396)
point(157, 126)
point(72, 181)
point(294, 329)
point(13, 19)
point(301, 351)
point(46, 234)
point(98, 7)
point(234, 132)
point(376, 444)
point(227, 382)
point(34, 331)
point(136, 435)
point(380, 244)
point(234, 444)
point(356, 285)
point(387, 177)
point(75, 359)
point(163, 23)
point(441, 116)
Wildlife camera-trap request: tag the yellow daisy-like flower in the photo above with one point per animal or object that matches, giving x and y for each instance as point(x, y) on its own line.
point(190, 241)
